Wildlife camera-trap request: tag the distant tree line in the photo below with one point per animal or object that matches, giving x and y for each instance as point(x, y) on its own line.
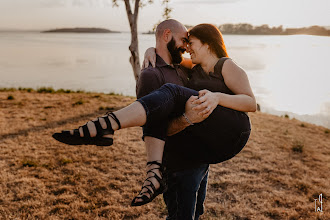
point(248, 29)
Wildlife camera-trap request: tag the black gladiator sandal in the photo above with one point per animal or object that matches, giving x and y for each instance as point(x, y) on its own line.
point(155, 192)
point(74, 139)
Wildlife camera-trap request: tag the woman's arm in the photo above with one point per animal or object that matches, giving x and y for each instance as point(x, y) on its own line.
point(238, 82)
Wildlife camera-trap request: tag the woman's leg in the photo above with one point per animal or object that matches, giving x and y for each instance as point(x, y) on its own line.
point(218, 138)
point(156, 108)
point(130, 116)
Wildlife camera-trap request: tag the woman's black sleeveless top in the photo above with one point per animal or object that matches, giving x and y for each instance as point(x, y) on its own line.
point(214, 82)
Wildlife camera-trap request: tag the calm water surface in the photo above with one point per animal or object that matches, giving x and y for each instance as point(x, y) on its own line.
point(288, 74)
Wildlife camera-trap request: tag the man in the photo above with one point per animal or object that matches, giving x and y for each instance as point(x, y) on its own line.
point(186, 180)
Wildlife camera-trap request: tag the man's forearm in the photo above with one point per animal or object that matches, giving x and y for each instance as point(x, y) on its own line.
point(176, 125)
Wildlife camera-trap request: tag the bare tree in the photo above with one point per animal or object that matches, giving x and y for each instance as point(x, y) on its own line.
point(132, 19)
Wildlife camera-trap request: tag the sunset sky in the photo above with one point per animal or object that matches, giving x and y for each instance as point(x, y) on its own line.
point(46, 14)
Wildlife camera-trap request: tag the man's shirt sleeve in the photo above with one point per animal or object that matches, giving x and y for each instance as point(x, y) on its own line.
point(149, 81)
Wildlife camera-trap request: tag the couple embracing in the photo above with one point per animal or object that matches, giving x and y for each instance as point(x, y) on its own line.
point(193, 114)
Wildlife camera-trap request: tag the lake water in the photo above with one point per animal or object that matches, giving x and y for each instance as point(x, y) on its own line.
point(288, 74)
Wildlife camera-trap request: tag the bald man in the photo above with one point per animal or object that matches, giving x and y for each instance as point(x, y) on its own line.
point(186, 179)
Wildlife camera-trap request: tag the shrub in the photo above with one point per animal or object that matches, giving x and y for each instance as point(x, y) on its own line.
point(7, 89)
point(10, 97)
point(64, 91)
point(80, 102)
point(25, 89)
point(29, 163)
point(65, 161)
point(302, 187)
point(46, 90)
point(298, 147)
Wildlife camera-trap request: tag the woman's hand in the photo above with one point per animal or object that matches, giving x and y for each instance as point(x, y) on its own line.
point(149, 56)
point(206, 102)
point(192, 114)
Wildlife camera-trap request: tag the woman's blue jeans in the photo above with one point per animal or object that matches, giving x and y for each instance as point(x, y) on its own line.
point(224, 133)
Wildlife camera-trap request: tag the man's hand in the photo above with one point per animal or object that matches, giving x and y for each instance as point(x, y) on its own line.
point(149, 56)
point(193, 114)
point(180, 123)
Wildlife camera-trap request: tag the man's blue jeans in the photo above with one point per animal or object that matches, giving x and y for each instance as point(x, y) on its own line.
point(186, 193)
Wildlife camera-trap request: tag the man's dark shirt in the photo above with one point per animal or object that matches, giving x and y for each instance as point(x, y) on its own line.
point(175, 155)
point(151, 78)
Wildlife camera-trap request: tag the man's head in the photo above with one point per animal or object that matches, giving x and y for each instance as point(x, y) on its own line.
point(172, 36)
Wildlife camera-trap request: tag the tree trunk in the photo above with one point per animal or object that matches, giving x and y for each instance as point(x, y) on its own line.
point(134, 47)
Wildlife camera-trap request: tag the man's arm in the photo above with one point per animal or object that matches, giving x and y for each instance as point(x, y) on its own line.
point(176, 125)
point(180, 123)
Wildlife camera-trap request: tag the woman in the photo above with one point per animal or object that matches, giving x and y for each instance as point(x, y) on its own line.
point(225, 130)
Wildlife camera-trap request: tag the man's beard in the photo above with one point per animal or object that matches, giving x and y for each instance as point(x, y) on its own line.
point(176, 53)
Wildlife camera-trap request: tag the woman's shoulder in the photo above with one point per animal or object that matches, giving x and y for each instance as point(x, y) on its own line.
point(230, 65)
point(219, 65)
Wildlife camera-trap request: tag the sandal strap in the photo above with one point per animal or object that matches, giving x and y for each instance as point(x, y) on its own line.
point(76, 132)
point(114, 117)
point(159, 179)
point(98, 127)
point(100, 131)
point(148, 190)
point(154, 162)
point(86, 131)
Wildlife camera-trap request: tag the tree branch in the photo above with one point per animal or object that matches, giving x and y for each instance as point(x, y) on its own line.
point(136, 10)
point(129, 12)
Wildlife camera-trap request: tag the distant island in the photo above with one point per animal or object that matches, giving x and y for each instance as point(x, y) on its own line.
point(248, 29)
point(80, 30)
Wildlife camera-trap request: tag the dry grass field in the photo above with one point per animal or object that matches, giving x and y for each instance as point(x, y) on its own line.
point(283, 168)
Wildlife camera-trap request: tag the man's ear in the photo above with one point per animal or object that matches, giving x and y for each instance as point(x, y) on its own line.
point(167, 35)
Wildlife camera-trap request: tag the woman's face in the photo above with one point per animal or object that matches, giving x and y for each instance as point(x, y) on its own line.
point(198, 51)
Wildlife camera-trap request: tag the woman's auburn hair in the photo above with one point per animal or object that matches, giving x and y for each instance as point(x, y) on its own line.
point(210, 35)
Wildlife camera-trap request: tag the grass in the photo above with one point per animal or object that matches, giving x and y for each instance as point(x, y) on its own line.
point(277, 175)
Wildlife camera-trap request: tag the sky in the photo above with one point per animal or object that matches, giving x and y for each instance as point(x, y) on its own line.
point(49, 14)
